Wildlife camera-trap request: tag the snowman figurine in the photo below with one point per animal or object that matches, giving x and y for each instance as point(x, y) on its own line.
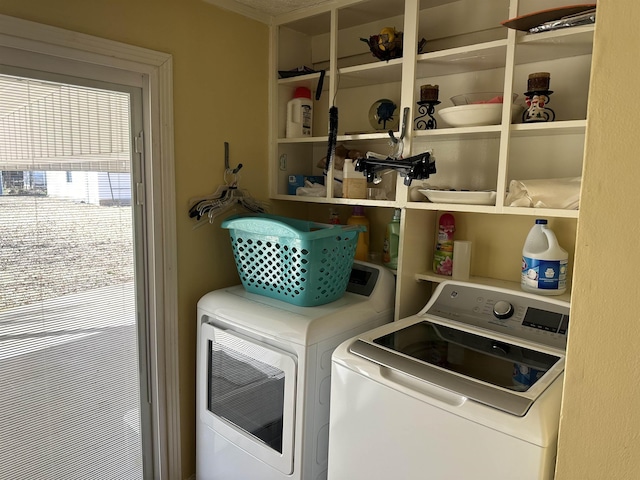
point(536, 110)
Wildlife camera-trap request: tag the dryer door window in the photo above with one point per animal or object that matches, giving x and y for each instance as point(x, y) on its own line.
point(250, 394)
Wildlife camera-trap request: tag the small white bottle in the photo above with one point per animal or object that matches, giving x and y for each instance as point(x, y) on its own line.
point(300, 114)
point(544, 262)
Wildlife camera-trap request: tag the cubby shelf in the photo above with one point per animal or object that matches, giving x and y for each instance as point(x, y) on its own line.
point(464, 53)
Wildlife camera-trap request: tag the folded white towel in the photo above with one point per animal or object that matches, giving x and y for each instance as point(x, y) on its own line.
point(545, 193)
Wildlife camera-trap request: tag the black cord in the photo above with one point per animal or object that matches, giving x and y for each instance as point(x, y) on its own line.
point(320, 83)
point(333, 134)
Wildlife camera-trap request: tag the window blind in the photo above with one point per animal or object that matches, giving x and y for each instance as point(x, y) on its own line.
point(53, 126)
point(69, 347)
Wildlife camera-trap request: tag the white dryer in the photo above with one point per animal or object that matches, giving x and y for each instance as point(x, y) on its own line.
point(264, 377)
point(469, 388)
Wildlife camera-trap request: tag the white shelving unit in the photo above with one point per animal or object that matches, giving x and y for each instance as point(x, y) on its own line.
point(467, 50)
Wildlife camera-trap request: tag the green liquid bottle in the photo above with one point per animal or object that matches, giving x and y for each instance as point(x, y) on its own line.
point(391, 242)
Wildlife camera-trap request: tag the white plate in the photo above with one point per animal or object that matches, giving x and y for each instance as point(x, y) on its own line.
point(457, 196)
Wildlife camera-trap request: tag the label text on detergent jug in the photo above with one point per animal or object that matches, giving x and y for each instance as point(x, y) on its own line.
point(544, 274)
point(306, 120)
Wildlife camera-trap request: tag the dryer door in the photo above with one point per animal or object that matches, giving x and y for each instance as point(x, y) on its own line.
point(250, 394)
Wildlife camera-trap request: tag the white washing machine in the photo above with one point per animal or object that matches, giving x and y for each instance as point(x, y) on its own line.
point(468, 388)
point(264, 377)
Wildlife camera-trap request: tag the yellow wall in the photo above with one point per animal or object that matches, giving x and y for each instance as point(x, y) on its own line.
point(218, 59)
point(600, 426)
point(220, 94)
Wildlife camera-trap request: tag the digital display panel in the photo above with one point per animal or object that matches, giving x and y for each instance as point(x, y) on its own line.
point(362, 280)
point(545, 320)
point(359, 277)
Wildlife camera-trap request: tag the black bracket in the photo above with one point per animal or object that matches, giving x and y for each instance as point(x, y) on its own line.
point(226, 160)
point(405, 117)
point(417, 167)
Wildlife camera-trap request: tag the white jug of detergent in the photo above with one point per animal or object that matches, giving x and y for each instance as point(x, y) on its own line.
point(300, 114)
point(544, 262)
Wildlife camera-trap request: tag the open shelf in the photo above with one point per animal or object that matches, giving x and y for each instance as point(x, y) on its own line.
point(484, 56)
point(567, 127)
point(491, 282)
point(460, 133)
point(310, 81)
point(370, 74)
point(452, 207)
point(554, 45)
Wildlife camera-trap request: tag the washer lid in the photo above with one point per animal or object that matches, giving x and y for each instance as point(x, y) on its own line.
point(490, 371)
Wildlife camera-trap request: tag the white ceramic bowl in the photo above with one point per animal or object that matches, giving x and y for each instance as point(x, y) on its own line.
point(481, 97)
point(477, 114)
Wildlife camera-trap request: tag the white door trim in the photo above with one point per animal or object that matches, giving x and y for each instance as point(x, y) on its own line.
point(156, 67)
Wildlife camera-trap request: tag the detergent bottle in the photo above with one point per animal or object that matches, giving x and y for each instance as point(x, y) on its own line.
point(334, 218)
point(391, 241)
point(358, 218)
point(299, 114)
point(544, 262)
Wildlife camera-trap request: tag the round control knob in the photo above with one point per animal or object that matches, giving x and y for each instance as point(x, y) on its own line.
point(502, 309)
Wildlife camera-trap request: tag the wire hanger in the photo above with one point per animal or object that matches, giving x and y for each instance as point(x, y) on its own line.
point(226, 198)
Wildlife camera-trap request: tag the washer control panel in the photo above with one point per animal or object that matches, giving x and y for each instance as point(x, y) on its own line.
point(523, 315)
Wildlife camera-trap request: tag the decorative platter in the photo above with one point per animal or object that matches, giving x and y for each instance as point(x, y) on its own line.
point(530, 20)
point(383, 115)
point(467, 197)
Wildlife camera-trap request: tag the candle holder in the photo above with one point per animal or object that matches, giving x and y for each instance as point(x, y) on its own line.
point(427, 108)
point(537, 110)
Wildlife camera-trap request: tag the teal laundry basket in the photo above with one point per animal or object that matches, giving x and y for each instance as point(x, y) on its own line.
point(296, 261)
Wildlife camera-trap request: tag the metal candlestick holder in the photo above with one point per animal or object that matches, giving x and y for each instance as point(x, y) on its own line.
point(427, 108)
point(537, 110)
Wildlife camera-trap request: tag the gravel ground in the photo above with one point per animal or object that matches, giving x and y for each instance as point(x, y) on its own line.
point(52, 247)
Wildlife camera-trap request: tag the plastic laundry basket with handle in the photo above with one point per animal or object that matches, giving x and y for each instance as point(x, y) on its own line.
point(300, 262)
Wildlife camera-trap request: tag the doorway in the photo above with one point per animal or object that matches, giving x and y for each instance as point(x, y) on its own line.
point(72, 308)
point(140, 215)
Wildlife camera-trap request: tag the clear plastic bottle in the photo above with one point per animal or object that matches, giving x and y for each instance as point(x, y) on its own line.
point(544, 262)
point(443, 255)
point(358, 218)
point(391, 241)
